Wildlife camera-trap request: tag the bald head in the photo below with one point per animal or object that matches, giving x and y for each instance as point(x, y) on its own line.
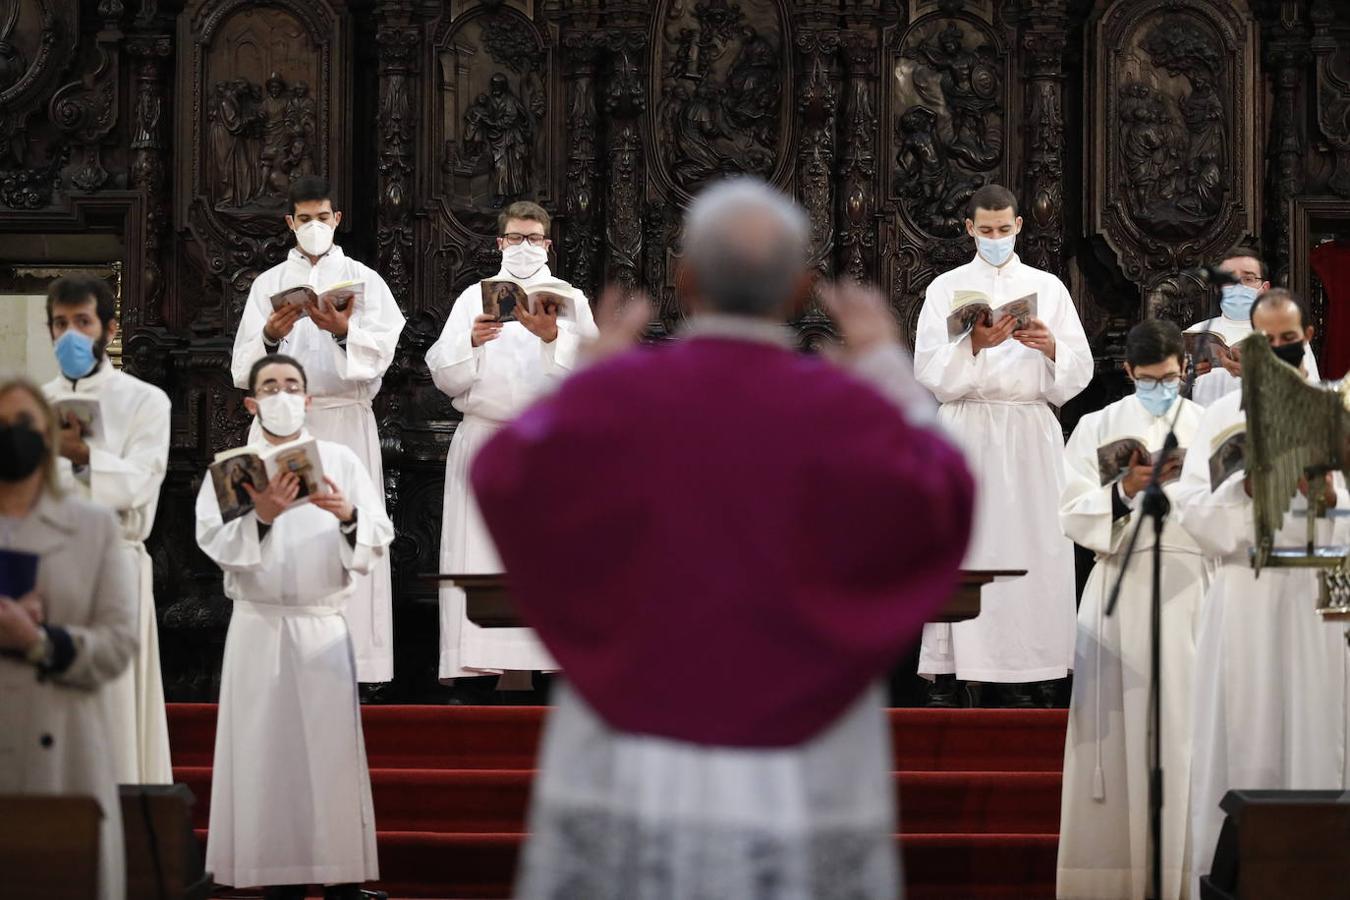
point(745, 245)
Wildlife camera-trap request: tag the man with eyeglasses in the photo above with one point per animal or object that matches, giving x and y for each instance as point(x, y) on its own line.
point(290, 791)
point(1270, 674)
point(492, 370)
point(1232, 322)
point(1107, 465)
point(346, 353)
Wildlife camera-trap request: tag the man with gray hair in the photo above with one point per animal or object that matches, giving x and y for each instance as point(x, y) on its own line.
point(786, 550)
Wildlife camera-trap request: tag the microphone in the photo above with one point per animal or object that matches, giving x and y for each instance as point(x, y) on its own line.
point(1213, 275)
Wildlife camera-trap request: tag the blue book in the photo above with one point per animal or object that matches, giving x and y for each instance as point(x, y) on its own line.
point(18, 573)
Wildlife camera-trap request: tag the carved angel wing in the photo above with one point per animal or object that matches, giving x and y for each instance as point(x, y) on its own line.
point(1291, 426)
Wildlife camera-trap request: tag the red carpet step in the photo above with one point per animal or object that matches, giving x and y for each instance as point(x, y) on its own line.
point(979, 795)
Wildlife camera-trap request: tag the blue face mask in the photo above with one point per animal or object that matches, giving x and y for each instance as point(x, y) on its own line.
point(75, 354)
point(1237, 301)
point(995, 250)
point(1157, 398)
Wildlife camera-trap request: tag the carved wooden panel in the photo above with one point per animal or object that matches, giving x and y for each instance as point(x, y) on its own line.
point(1175, 162)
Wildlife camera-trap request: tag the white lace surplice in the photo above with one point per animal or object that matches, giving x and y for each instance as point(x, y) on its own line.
point(619, 816)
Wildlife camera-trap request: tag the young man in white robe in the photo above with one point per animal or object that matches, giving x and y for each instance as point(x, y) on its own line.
point(491, 371)
point(1104, 824)
point(1270, 704)
point(345, 353)
point(1232, 322)
point(290, 790)
point(998, 386)
point(119, 463)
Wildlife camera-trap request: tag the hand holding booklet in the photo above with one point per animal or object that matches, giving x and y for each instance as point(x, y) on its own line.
point(84, 411)
point(1228, 454)
point(1208, 346)
point(1114, 459)
point(233, 469)
point(337, 296)
point(501, 296)
point(971, 307)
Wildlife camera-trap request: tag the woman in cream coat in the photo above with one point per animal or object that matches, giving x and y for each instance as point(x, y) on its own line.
point(62, 643)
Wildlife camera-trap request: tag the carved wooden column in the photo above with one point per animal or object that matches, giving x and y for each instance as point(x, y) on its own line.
point(1043, 40)
point(857, 171)
point(85, 111)
point(625, 103)
point(581, 240)
point(1287, 58)
point(817, 101)
point(397, 38)
point(148, 170)
point(1332, 98)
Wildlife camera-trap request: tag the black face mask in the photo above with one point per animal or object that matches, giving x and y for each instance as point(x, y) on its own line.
point(21, 451)
point(1290, 353)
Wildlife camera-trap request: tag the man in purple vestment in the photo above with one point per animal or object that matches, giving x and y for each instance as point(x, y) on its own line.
point(725, 544)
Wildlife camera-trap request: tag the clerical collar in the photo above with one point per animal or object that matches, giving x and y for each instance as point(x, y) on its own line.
point(739, 328)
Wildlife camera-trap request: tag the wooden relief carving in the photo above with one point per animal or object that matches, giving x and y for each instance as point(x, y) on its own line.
point(1333, 94)
point(494, 115)
point(37, 44)
point(721, 70)
point(1173, 129)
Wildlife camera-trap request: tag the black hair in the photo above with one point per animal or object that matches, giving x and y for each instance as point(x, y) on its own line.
point(1281, 295)
point(307, 190)
point(992, 197)
point(1153, 341)
point(275, 359)
point(1243, 252)
point(77, 290)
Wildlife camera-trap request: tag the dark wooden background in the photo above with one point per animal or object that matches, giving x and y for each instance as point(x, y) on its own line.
point(1144, 136)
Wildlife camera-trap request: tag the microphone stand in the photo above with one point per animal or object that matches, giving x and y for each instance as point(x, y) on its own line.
point(1155, 506)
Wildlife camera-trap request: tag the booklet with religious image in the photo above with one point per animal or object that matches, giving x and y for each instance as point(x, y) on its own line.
point(84, 410)
point(969, 307)
point(502, 295)
point(233, 469)
point(1113, 458)
point(335, 296)
point(18, 573)
point(1228, 454)
point(1207, 347)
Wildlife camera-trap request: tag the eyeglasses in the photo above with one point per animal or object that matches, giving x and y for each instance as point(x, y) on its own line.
point(1251, 280)
point(1147, 383)
point(514, 239)
point(271, 390)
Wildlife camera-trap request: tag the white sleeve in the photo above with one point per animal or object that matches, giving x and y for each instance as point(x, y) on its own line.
point(453, 360)
point(1073, 364)
point(233, 545)
point(130, 481)
point(249, 345)
point(372, 332)
point(1085, 505)
point(563, 352)
point(949, 369)
point(374, 531)
point(1220, 521)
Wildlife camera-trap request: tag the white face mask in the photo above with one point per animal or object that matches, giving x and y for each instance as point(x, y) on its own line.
point(524, 260)
point(315, 237)
point(282, 414)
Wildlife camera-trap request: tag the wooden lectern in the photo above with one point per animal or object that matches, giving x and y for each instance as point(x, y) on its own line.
point(489, 604)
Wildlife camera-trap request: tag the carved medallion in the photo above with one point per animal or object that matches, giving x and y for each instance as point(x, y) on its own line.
point(720, 71)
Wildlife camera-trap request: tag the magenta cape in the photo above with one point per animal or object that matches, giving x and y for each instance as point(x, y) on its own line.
point(721, 541)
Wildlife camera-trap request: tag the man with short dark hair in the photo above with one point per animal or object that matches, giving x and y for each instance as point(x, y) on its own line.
point(491, 370)
point(998, 383)
point(290, 790)
point(1270, 674)
point(346, 352)
point(1232, 323)
point(117, 460)
point(1108, 464)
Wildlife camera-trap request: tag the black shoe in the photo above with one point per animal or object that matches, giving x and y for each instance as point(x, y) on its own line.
point(286, 892)
point(1047, 694)
point(1017, 696)
point(350, 892)
point(974, 694)
point(942, 692)
point(373, 692)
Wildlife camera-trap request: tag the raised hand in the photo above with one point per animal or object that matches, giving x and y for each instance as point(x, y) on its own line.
point(273, 500)
point(334, 501)
point(73, 446)
point(621, 318)
point(543, 322)
point(865, 322)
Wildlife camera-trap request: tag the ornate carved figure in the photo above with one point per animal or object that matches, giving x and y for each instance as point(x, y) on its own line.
point(259, 140)
point(499, 128)
point(12, 61)
point(1172, 143)
point(721, 92)
point(949, 127)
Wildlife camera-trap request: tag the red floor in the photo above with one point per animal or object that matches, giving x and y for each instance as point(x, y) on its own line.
point(979, 795)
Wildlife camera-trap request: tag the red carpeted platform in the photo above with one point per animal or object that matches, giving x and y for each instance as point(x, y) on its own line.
point(979, 795)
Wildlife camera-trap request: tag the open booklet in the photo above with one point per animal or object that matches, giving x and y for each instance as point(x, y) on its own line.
point(233, 469)
point(18, 573)
point(969, 307)
point(335, 296)
point(1228, 454)
point(1207, 346)
point(86, 412)
point(501, 296)
point(1113, 458)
